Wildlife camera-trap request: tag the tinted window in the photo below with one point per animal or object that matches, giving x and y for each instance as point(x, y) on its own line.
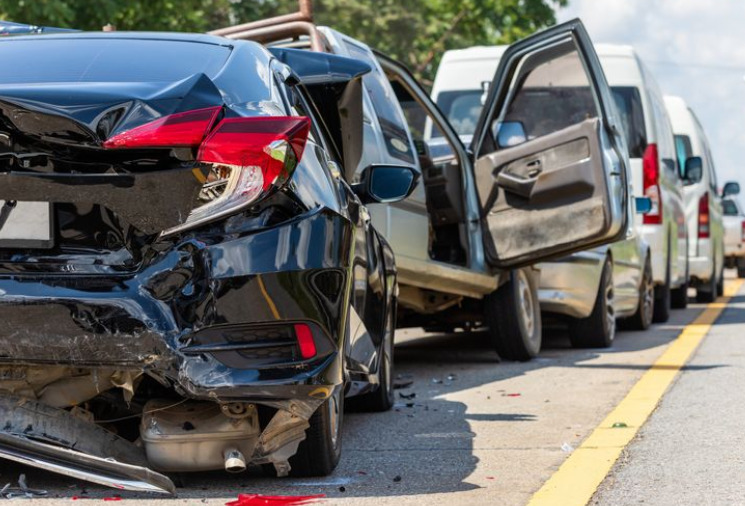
point(462, 108)
point(683, 151)
point(394, 131)
point(44, 60)
point(729, 208)
point(629, 105)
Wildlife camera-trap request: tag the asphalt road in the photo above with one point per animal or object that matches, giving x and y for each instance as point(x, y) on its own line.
point(482, 432)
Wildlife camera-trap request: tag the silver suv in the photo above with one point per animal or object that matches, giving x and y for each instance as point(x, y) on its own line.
point(488, 210)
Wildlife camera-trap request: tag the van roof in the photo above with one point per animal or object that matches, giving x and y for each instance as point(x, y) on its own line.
point(473, 53)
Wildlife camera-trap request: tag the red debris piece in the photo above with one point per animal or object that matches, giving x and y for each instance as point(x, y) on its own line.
point(114, 498)
point(273, 500)
point(513, 395)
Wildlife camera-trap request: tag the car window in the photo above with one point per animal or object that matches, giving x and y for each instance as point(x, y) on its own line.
point(108, 60)
point(629, 105)
point(729, 208)
point(683, 151)
point(391, 123)
point(548, 96)
point(462, 108)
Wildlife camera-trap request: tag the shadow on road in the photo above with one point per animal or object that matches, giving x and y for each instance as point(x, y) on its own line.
point(425, 445)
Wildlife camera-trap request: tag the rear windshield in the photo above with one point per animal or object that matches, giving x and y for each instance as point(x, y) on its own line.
point(57, 60)
point(729, 208)
point(629, 105)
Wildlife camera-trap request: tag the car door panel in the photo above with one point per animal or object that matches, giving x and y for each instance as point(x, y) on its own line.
point(550, 168)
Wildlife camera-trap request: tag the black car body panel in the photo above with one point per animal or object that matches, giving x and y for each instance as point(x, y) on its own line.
point(207, 312)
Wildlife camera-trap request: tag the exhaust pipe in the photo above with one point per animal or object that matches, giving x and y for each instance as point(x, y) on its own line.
point(235, 462)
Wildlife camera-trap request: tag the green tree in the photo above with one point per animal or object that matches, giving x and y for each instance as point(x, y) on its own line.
point(418, 31)
point(413, 31)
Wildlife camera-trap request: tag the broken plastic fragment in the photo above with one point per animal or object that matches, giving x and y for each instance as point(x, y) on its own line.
point(566, 447)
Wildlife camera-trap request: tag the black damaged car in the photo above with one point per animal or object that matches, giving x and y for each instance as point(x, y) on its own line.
point(189, 279)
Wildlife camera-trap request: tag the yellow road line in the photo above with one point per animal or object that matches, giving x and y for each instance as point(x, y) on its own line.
point(575, 482)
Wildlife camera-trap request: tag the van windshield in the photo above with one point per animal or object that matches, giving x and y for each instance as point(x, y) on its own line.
point(629, 105)
point(462, 109)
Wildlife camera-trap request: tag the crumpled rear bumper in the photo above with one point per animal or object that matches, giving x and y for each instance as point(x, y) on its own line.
point(224, 289)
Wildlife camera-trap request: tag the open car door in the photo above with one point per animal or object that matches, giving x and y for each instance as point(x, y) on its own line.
point(551, 162)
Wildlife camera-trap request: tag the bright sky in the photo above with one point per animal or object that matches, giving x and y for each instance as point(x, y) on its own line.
point(696, 49)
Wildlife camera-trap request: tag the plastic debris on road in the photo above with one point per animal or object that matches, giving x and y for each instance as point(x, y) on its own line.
point(22, 490)
point(274, 500)
point(566, 447)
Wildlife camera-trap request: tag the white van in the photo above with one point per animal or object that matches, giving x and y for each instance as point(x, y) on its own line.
point(590, 288)
point(703, 204)
point(654, 170)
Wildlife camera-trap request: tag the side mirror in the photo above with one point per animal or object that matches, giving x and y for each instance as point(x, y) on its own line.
point(694, 169)
point(643, 205)
point(510, 133)
point(731, 188)
point(385, 184)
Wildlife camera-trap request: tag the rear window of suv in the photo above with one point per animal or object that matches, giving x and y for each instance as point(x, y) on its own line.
point(629, 105)
point(68, 60)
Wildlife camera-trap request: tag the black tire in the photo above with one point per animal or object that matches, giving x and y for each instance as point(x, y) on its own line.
point(642, 318)
point(662, 298)
point(513, 316)
point(741, 267)
point(679, 296)
point(382, 398)
point(708, 292)
point(598, 329)
point(319, 453)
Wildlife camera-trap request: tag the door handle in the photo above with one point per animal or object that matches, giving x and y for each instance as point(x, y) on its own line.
point(517, 184)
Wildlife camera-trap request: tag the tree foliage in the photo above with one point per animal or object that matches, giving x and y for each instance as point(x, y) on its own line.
point(413, 31)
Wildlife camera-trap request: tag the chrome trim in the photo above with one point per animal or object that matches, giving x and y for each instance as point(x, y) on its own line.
point(107, 472)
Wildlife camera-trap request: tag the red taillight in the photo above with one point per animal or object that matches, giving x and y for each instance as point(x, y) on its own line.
point(260, 142)
point(245, 156)
point(703, 216)
point(742, 231)
point(651, 184)
point(184, 129)
point(305, 341)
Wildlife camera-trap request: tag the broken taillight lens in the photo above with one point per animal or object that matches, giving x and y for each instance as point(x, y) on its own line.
point(246, 156)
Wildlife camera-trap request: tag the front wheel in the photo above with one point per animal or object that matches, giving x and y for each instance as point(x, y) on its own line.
point(319, 453)
point(513, 316)
point(598, 329)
